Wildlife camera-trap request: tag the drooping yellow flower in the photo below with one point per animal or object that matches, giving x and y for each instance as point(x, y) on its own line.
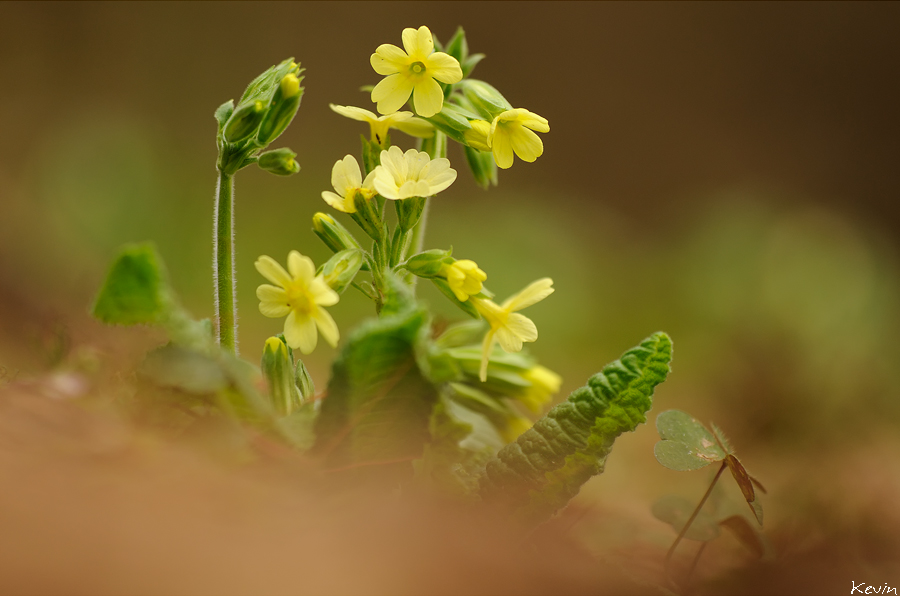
point(346, 178)
point(300, 295)
point(507, 326)
point(411, 174)
point(512, 131)
point(464, 278)
point(415, 71)
point(379, 125)
point(477, 136)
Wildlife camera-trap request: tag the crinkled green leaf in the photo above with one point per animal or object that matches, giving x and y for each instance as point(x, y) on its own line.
point(545, 467)
point(686, 444)
point(676, 511)
point(378, 405)
point(135, 290)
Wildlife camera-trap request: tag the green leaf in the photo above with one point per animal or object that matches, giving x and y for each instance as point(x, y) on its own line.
point(135, 291)
point(545, 467)
point(379, 405)
point(686, 444)
point(676, 511)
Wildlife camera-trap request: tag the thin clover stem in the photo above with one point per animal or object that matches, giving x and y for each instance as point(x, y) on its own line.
point(695, 513)
point(223, 264)
point(687, 580)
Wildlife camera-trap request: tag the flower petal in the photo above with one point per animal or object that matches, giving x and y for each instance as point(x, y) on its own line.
point(443, 67)
point(509, 341)
point(338, 202)
point(533, 293)
point(271, 270)
point(416, 127)
point(346, 175)
point(525, 143)
point(486, 348)
point(327, 327)
point(428, 97)
point(301, 267)
point(522, 327)
point(388, 59)
point(418, 43)
point(392, 92)
point(300, 332)
point(533, 121)
point(353, 112)
point(321, 292)
point(273, 301)
point(501, 147)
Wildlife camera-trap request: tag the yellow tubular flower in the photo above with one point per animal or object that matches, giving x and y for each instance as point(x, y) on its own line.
point(300, 295)
point(511, 131)
point(464, 278)
point(415, 71)
point(346, 178)
point(507, 326)
point(477, 136)
point(544, 384)
point(379, 125)
point(411, 174)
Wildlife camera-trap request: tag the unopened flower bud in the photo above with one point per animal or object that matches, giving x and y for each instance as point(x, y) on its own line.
point(305, 384)
point(280, 162)
point(482, 165)
point(428, 263)
point(333, 234)
point(341, 268)
point(245, 121)
point(409, 211)
point(464, 278)
point(485, 98)
point(278, 371)
point(366, 216)
point(283, 108)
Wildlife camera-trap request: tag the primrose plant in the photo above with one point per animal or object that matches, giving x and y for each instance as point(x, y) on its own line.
point(452, 407)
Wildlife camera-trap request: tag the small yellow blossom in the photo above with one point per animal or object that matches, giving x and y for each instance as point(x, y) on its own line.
point(346, 178)
point(514, 428)
point(411, 174)
point(300, 295)
point(544, 383)
point(464, 278)
point(415, 71)
point(477, 136)
point(379, 125)
point(507, 326)
point(512, 131)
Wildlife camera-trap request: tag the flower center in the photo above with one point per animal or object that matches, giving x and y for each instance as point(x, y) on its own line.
point(299, 298)
point(417, 67)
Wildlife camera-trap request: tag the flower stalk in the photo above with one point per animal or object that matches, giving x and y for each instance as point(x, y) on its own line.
point(223, 264)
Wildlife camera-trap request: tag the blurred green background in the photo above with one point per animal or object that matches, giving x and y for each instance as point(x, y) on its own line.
point(724, 172)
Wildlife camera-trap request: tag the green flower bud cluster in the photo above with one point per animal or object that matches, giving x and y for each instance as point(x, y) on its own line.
point(264, 112)
point(290, 385)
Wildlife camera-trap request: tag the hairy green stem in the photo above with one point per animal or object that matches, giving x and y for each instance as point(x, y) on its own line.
point(436, 149)
point(223, 264)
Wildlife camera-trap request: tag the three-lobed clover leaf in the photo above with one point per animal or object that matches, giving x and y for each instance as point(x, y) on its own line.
point(688, 445)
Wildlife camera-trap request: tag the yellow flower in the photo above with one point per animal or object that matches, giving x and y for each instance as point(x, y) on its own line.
point(300, 295)
point(464, 278)
point(379, 125)
point(415, 71)
point(346, 178)
point(477, 136)
point(544, 383)
point(411, 174)
point(512, 131)
point(507, 326)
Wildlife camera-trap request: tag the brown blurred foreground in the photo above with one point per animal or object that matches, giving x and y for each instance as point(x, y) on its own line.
point(93, 504)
